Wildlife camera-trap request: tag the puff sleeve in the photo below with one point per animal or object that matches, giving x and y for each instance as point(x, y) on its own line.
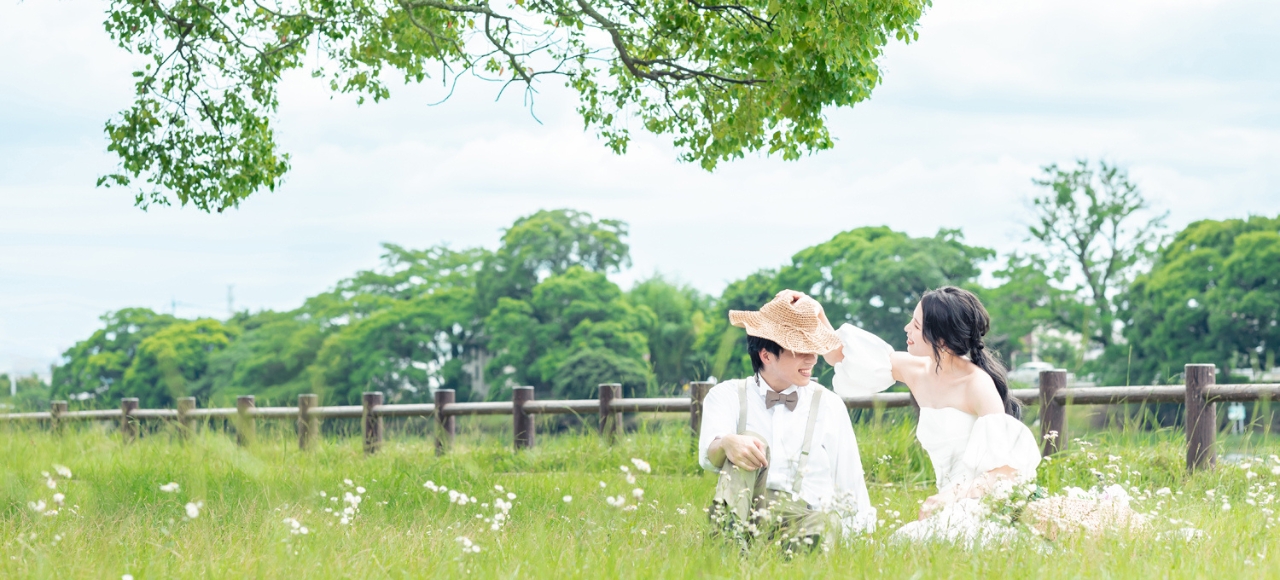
point(999, 440)
point(866, 367)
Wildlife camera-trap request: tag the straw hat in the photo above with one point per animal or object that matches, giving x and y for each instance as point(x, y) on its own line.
point(792, 323)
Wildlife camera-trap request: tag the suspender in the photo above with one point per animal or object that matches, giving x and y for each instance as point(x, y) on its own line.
point(808, 429)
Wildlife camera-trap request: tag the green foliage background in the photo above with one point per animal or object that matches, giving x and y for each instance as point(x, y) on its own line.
point(540, 310)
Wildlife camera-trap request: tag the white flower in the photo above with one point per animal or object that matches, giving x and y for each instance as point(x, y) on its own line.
point(347, 482)
point(58, 498)
point(51, 483)
point(193, 509)
point(431, 485)
point(1226, 506)
point(631, 479)
point(62, 471)
point(1210, 493)
point(638, 493)
point(323, 494)
point(567, 498)
point(344, 521)
point(640, 464)
point(511, 495)
point(615, 501)
point(602, 484)
point(1275, 470)
point(1163, 491)
point(359, 490)
point(127, 577)
point(170, 487)
point(37, 506)
point(624, 468)
point(453, 496)
point(629, 508)
point(681, 511)
point(1250, 475)
point(303, 530)
point(499, 488)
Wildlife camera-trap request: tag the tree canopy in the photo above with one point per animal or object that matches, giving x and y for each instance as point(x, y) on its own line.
point(719, 80)
point(1213, 296)
point(555, 321)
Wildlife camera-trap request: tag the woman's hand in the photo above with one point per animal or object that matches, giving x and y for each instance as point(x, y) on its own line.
point(834, 356)
point(933, 504)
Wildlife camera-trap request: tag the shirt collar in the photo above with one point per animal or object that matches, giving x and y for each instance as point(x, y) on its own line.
point(762, 386)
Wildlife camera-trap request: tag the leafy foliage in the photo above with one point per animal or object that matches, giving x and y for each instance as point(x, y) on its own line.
point(533, 340)
point(1088, 224)
point(1213, 296)
point(720, 79)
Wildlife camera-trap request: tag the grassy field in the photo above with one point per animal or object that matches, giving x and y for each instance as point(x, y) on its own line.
point(115, 518)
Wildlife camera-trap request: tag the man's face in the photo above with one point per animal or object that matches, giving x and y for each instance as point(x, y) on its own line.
point(790, 367)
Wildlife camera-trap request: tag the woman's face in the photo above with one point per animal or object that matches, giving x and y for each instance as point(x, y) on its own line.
point(916, 344)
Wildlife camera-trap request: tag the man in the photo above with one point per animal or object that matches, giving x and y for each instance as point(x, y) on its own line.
point(783, 445)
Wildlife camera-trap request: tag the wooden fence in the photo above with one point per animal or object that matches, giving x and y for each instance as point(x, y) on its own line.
point(1199, 395)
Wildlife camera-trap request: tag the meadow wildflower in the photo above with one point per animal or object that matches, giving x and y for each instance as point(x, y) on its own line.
point(567, 498)
point(431, 485)
point(170, 487)
point(62, 471)
point(36, 506)
point(59, 498)
point(638, 493)
point(193, 509)
point(467, 545)
point(641, 464)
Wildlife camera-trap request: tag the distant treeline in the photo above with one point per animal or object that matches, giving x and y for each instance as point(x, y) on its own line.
point(1132, 307)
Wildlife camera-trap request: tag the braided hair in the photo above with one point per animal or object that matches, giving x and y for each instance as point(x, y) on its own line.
point(955, 320)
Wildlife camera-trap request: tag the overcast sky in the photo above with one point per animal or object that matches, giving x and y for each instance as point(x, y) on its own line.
point(1183, 93)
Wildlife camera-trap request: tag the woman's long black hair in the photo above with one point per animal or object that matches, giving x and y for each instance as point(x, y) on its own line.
point(955, 320)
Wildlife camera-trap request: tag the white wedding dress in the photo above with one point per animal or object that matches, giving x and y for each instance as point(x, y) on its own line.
point(962, 447)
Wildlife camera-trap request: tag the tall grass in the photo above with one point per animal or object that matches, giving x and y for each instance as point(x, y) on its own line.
point(116, 520)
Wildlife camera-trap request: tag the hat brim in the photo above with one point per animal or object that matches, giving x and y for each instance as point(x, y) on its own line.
point(821, 341)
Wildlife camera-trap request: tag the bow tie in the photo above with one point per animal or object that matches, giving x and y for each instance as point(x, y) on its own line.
point(772, 397)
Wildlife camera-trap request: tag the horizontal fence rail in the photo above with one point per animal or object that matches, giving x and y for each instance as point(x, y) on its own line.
point(1199, 395)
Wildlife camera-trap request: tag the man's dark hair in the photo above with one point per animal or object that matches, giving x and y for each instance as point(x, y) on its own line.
point(754, 345)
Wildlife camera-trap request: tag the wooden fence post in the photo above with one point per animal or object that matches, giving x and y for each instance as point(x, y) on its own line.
point(128, 425)
point(1053, 415)
point(308, 426)
point(446, 427)
point(521, 422)
point(186, 425)
point(372, 423)
point(610, 422)
point(56, 409)
point(1202, 418)
point(697, 392)
point(246, 428)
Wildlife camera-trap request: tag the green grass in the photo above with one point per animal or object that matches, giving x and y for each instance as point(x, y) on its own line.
point(117, 520)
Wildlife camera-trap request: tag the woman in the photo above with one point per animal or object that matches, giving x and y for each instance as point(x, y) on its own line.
point(969, 425)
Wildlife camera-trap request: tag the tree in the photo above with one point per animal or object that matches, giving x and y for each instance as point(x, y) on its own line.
point(406, 351)
point(173, 363)
point(720, 79)
point(1028, 299)
point(1212, 296)
point(1089, 222)
point(548, 243)
point(269, 360)
point(677, 337)
point(533, 340)
point(94, 365)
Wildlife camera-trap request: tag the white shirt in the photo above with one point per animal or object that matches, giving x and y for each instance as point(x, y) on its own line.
point(833, 478)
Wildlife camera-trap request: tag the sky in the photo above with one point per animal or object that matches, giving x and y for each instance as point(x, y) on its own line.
point(1182, 93)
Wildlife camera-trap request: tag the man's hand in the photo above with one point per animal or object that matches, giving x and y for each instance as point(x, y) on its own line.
point(744, 451)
